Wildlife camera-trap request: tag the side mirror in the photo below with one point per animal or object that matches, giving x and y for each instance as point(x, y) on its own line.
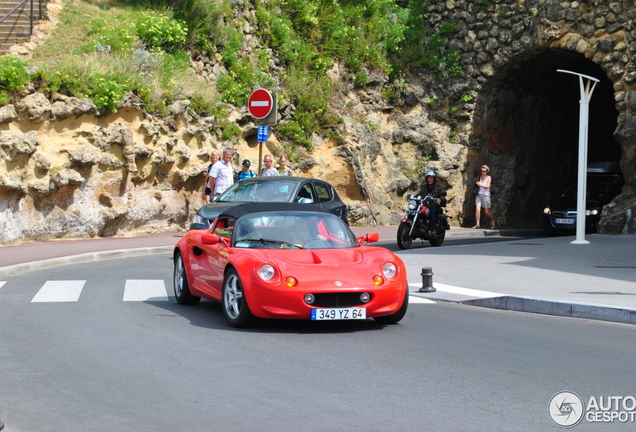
point(372, 237)
point(368, 238)
point(210, 239)
point(306, 201)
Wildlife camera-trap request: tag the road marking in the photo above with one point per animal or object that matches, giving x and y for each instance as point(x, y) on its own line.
point(59, 291)
point(145, 290)
point(462, 291)
point(420, 300)
point(2, 283)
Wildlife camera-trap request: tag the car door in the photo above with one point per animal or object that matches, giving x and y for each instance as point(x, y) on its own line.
point(211, 260)
point(328, 200)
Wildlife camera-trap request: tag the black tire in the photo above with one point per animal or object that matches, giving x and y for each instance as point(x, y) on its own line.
point(180, 281)
point(235, 307)
point(396, 317)
point(404, 240)
point(437, 241)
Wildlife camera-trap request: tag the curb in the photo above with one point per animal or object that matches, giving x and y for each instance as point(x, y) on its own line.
point(543, 307)
point(80, 258)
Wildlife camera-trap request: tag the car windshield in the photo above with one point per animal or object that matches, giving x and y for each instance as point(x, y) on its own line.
point(259, 191)
point(599, 189)
point(292, 230)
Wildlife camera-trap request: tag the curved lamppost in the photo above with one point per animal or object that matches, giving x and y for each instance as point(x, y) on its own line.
point(584, 112)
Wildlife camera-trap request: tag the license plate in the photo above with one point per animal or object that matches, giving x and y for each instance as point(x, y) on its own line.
point(338, 314)
point(564, 221)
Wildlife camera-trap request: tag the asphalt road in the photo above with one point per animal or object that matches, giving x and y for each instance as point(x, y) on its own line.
point(113, 361)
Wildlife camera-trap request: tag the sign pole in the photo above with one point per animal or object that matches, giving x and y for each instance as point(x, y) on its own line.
point(262, 105)
point(584, 110)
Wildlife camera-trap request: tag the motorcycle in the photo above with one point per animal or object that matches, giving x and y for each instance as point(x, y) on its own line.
point(414, 225)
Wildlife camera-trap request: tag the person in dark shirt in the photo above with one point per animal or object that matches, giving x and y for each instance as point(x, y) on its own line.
point(432, 188)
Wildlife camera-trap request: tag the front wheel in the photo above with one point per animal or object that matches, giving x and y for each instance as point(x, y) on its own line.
point(181, 286)
point(404, 239)
point(396, 317)
point(437, 241)
point(235, 307)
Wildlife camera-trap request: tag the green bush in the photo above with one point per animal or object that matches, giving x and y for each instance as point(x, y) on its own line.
point(106, 37)
point(161, 31)
point(13, 73)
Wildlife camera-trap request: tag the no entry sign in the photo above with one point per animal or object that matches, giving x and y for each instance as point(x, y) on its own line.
point(260, 103)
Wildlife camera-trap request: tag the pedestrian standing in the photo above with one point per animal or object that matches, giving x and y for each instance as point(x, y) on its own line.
point(283, 169)
point(215, 156)
point(269, 170)
point(246, 172)
point(483, 197)
point(221, 174)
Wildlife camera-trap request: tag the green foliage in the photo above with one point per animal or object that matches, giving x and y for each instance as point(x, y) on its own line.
point(106, 90)
point(105, 37)
point(230, 130)
point(362, 78)
point(307, 36)
point(242, 78)
point(204, 20)
point(117, 58)
point(160, 30)
point(423, 48)
point(231, 52)
point(13, 73)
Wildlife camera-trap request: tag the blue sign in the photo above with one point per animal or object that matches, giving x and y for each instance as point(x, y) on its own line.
point(263, 133)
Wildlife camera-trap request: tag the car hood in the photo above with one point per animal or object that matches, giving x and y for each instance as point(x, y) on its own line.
point(323, 256)
point(341, 258)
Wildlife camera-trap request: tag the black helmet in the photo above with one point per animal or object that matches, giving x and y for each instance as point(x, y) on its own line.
point(430, 173)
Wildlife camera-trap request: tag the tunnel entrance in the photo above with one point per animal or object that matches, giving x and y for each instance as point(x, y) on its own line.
point(527, 130)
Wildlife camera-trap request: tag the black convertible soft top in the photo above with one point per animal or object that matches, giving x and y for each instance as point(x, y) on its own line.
point(242, 209)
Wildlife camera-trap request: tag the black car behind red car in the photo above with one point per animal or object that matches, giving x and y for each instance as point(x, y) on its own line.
point(312, 192)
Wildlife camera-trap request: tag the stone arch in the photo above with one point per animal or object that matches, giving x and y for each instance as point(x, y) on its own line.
point(526, 125)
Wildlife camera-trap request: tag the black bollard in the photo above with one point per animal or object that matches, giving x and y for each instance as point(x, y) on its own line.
point(427, 280)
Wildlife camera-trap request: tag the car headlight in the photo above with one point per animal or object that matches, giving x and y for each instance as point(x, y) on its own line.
point(547, 210)
point(412, 205)
point(266, 272)
point(197, 219)
point(389, 269)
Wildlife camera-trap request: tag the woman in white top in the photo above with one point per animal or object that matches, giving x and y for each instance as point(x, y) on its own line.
point(214, 158)
point(483, 197)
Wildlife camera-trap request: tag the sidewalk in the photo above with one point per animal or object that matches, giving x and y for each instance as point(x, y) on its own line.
point(540, 275)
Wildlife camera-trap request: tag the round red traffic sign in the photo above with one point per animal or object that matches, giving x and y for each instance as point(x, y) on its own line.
point(260, 103)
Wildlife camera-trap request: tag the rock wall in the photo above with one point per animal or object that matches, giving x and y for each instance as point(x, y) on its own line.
point(68, 170)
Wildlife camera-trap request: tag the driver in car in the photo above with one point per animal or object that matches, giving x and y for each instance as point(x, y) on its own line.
point(306, 231)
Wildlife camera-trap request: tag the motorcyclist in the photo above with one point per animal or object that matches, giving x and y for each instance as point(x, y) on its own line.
point(432, 188)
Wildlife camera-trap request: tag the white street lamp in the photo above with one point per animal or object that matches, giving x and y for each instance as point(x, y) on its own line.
point(584, 111)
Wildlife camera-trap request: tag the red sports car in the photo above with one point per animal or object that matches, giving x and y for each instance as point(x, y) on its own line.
point(284, 261)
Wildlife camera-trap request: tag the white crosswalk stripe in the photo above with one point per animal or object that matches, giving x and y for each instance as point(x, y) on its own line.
point(59, 291)
point(420, 300)
point(145, 290)
point(2, 283)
